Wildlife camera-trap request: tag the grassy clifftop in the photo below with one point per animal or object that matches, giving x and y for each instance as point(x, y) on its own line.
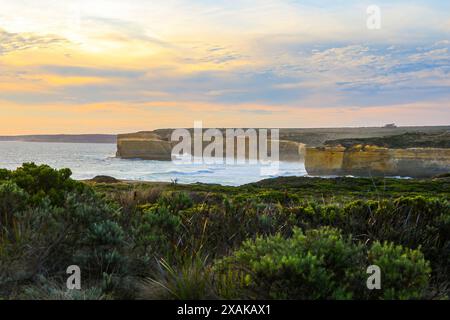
point(406, 140)
point(321, 189)
point(313, 136)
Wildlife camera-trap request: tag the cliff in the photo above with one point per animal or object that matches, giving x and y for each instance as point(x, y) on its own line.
point(357, 151)
point(153, 146)
point(377, 161)
point(143, 145)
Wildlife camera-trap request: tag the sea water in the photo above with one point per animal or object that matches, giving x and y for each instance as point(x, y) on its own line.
point(87, 160)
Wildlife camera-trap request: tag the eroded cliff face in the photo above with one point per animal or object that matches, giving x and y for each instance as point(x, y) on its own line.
point(376, 161)
point(143, 145)
point(151, 146)
point(292, 151)
point(357, 160)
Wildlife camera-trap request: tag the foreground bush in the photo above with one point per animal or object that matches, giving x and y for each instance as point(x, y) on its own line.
point(322, 264)
point(49, 222)
point(405, 272)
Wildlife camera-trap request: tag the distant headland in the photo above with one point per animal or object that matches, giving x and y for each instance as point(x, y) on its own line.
point(64, 138)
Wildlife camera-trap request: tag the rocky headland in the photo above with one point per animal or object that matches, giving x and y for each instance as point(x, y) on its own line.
point(403, 151)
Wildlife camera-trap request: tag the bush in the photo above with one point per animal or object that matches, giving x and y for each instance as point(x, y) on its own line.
point(12, 200)
point(405, 272)
point(45, 289)
point(156, 230)
point(322, 264)
point(42, 181)
point(190, 279)
point(412, 222)
point(49, 222)
point(175, 201)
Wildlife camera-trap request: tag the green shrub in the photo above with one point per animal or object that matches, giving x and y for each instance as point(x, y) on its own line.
point(405, 272)
point(175, 201)
point(412, 222)
point(191, 279)
point(43, 181)
point(105, 233)
point(45, 289)
point(156, 230)
point(12, 200)
point(320, 264)
point(50, 222)
point(4, 174)
point(323, 264)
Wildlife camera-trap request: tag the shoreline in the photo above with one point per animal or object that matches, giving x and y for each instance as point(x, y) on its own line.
point(107, 180)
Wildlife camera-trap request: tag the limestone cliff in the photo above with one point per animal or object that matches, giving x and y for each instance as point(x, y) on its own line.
point(393, 155)
point(377, 161)
point(143, 145)
point(152, 146)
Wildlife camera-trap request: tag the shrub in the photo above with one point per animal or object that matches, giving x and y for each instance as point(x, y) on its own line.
point(322, 264)
point(412, 222)
point(4, 174)
point(130, 201)
point(156, 230)
point(189, 280)
point(405, 272)
point(45, 289)
point(175, 201)
point(12, 200)
point(49, 222)
point(43, 181)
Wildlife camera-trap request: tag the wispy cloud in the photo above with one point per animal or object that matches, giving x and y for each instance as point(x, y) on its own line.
point(11, 42)
point(92, 71)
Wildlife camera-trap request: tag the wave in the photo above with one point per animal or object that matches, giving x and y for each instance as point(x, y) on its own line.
point(292, 173)
point(188, 173)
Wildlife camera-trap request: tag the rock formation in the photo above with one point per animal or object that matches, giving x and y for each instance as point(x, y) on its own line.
point(151, 146)
point(376, 161)
point(143, 145)
point(348, 151)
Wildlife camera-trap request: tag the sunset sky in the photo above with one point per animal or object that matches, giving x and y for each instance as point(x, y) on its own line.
point(120, 66)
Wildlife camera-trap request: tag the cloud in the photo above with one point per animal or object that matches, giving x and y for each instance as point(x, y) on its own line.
point(119, 30)
point(246, 59)
point(362, 75)
point(10, 42)
point(211, 54)
point(92, 71)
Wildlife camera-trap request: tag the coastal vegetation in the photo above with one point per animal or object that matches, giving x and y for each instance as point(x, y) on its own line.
point(283, 238)
point(402, 141)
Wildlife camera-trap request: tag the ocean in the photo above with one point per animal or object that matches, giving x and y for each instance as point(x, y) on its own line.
point(87, 160)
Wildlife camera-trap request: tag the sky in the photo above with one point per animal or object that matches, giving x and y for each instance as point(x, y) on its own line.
point(122, 66)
